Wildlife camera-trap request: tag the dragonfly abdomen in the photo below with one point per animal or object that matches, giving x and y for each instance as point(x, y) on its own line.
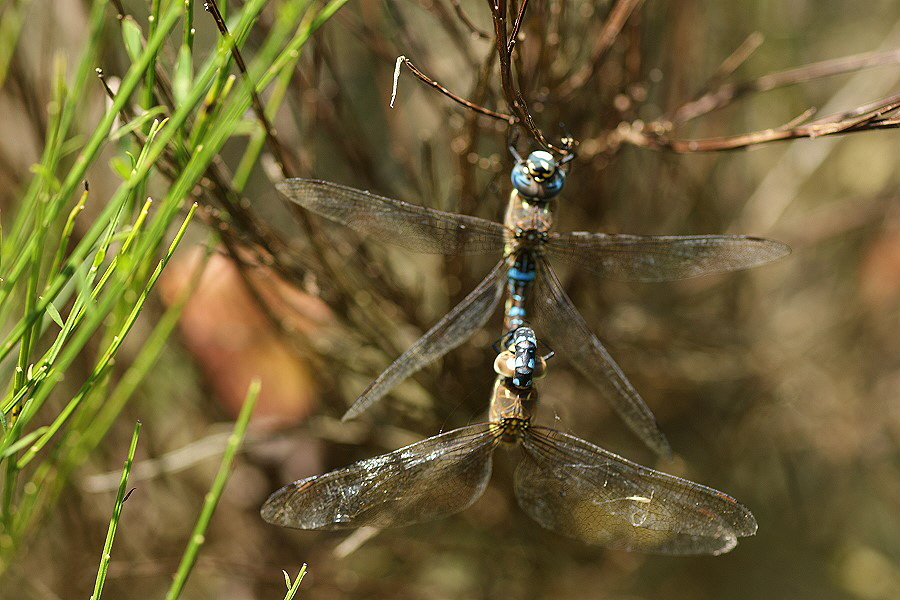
point(520, 279)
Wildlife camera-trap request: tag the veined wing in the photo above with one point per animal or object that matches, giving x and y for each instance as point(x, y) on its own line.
point(583, 491)
point(394, 221)
point(428, 480)
point(567, 333)
point(663, 258)
point(452, 330)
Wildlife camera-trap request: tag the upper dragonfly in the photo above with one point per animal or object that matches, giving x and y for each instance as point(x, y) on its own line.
point(525, 239)
point(564, 483)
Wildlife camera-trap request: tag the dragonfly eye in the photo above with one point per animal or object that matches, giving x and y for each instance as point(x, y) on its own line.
point(538, 176)
point(505, 364)
point(540, 165)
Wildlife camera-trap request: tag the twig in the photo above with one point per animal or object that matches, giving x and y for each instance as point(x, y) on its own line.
point(455, 32)
point(466, 21)
point(728, 92)
point(427, 80)
point(512, 94)
point(109, 92)
point(867, 118)
point(617, 18)
point(120, 10)
point(284, 161)
point(166, 162)
point(708, 93)
point(517, 24)
point(750, 45)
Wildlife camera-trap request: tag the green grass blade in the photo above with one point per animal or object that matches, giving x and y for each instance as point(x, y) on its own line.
point(107, 356)
point(212, 497)
point(150, 352)
point(295, 585)
point(91, 150)
point(116, 515)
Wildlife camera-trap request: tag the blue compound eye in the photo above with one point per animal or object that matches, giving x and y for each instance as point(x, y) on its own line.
point(540, 164)
point(538, 177)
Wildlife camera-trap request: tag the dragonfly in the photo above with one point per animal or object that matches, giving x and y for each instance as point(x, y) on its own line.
point(566, 484)
point(525, 240)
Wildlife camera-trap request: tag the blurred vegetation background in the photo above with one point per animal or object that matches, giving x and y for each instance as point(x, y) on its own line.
point(779, 386)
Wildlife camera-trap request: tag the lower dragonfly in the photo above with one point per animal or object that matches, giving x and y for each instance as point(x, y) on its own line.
point(523, 239)
point(564, 483)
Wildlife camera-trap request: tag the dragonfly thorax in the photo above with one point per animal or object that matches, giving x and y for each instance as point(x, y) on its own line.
point(527, 224)
point(538, 177)
point(531, 238)
point(510, 413)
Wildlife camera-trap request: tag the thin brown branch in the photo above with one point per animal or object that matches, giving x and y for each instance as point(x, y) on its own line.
point(743, 52)
point(617, 18)
point(166, 163)
point(455, 32)
point(284, 161)
point(120, 10)
point(109, 92)
point(458, 99)
point(517, 24)
point(468, 22)
point(875, 109)
point(875, 116)
point(511, 92)
point(469, 141)
point(729, 92)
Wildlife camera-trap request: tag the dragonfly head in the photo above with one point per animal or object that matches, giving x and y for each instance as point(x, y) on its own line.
point(538, 177)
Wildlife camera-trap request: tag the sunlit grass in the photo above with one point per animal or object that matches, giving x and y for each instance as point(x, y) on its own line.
point(121, 496)
point(77, 268)
point(197, 537)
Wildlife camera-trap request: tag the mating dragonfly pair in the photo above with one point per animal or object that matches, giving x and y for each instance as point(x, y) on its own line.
point(563, 482)
point(525, 241)
point(377, 491)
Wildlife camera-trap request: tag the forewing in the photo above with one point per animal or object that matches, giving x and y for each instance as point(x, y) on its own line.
point(394, 221)
point(585, 492)
point(663, 258)
point(452, 330)
point(564, 328)
point(428, 480)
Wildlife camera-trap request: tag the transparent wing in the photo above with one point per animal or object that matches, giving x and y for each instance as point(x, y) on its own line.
point(428, 480)
point(663, 258)
point(585, 492)
point(564, 328)
point(414, 227)
point(452, 330)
